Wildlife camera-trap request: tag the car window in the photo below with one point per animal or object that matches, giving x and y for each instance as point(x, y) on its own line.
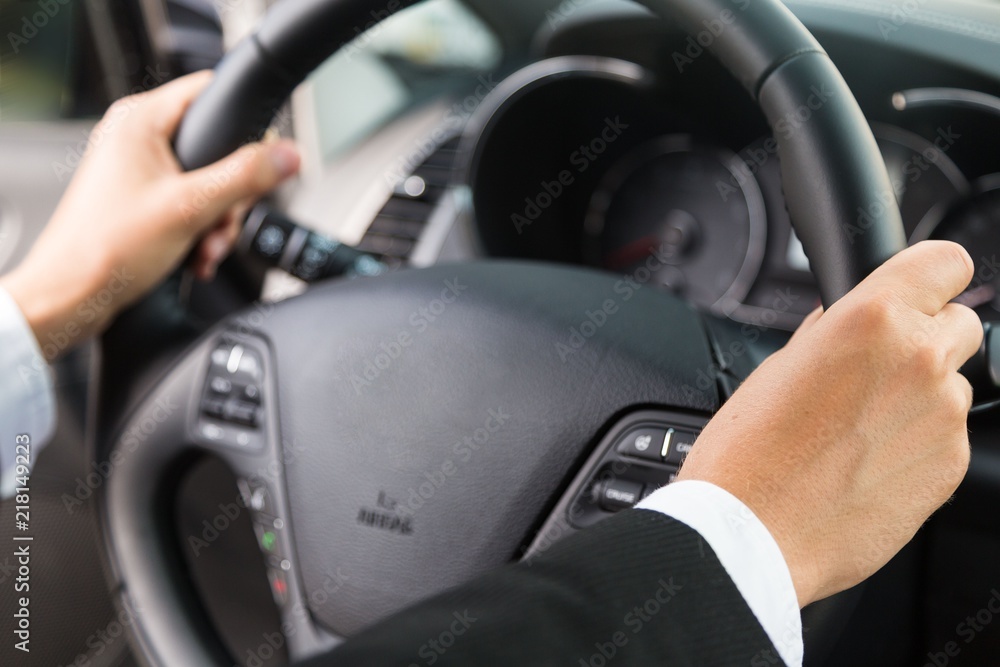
point(412, 54)
point(48, 68)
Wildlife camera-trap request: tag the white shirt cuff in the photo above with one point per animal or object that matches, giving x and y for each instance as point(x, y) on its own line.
point(747, 550)
point(27, 404)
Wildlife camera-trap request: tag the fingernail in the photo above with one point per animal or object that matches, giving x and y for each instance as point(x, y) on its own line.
point(217, 249)
point(285, 158)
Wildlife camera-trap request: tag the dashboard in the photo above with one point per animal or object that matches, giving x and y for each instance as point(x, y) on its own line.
point(621, 151)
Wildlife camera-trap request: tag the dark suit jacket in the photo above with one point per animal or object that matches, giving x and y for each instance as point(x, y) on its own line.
point(637, 589)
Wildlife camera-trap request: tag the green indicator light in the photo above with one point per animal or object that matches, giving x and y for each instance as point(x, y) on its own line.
point(267, 540)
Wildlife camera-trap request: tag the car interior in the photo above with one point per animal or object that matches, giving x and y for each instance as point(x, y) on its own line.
point(533, 247)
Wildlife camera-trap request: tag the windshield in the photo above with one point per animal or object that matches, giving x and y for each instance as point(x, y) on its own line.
point(429, 48)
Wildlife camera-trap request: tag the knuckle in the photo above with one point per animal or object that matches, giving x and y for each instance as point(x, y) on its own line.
point(930, 361)
point(970, 323)
point(873, 314)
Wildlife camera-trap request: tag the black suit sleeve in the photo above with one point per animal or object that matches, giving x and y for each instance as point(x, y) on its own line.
point(637, 589)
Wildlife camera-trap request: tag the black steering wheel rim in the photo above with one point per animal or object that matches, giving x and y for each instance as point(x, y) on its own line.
point(837, 190)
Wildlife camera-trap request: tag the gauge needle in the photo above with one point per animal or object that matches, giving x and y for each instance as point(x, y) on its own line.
point(632, 253)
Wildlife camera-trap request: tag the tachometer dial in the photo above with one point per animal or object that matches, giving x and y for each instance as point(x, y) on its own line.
point(690, 218)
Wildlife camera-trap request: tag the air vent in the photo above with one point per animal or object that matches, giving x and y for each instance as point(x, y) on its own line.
point(398, 226)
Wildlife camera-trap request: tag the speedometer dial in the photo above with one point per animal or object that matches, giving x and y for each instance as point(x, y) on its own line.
point(691, 215)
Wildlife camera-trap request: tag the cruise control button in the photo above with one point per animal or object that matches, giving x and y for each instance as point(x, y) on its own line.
point(643, 443)
point(620, 494)
point(242, 413)
point(680, 446)
point(214, 407)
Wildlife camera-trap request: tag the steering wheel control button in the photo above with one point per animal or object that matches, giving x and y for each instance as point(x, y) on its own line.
point(213, 432)
point(279, 586)
point(644, 443)
point(220, 386)
point(680, 446)
point(251, 393)
point(257, 497)
point(214, 407)
point(241, 413)
point(619, 494)
point(269, 541)
point(232, 400)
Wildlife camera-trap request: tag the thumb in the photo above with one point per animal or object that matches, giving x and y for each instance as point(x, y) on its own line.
point(249, 173)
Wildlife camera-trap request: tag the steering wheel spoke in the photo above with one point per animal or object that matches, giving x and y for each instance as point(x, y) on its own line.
point(221, 402)
point(236, 419)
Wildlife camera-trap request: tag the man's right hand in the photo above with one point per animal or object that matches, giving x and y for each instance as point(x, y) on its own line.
point(848, 439)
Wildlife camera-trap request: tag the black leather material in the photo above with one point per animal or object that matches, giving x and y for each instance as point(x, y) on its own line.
point(347, 442)
point(298, 35)
point(831, 164)
point(259, 74)
point(395, 434)
point(836, 186)
point(235, 109)
point(753, 36)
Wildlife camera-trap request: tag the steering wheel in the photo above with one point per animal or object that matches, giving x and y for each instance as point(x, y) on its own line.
point(408, 451)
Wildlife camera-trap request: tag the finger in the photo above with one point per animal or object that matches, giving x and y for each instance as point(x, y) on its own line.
point(961, 331)
point(168, 103)
point(215, 246)
point(925, 276)
point(808, 323)
point(252, 171)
